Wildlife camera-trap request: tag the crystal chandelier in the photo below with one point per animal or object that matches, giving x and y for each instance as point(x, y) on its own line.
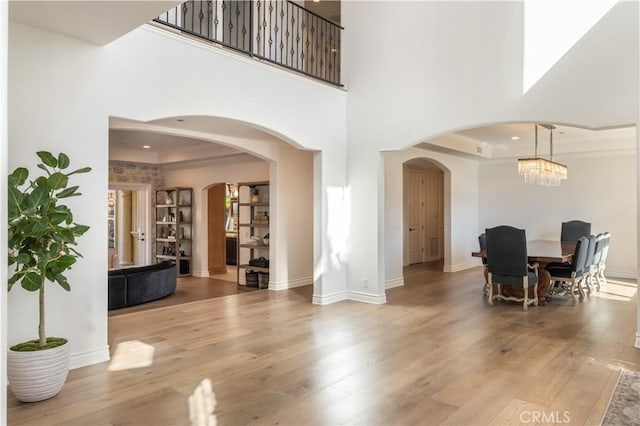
point(539, 170)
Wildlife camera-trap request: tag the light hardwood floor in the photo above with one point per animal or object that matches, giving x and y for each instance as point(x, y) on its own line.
point(436, 353)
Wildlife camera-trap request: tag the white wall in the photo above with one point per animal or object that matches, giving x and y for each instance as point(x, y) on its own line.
point(200, 177)
point(291, 210)
point(444, 66)
point(600, 189)
point(460, 209)
point(63, 92)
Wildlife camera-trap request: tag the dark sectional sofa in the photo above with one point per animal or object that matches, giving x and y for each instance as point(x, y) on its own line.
point(141, 284)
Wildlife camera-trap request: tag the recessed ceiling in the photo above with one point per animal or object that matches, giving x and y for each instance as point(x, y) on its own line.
point(158, 142)
point(503, 134)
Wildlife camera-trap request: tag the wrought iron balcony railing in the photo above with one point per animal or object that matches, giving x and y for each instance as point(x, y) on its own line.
point(278, 31)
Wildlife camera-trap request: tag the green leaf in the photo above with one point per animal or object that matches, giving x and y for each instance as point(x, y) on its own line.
point(82, 170)
point(66, 235)
point(45, 168)
point(47, 158)
point(64, 283)
point(79, 229)
point(69, 192)
point(38, 197)
point(14, 279)
point(63, 160)
point(15, 199)
point(58, 218)
point(23, 258)
point(19, 176)
point(58, 180)
point(40, 226)
point(32, 281)
point(64, 262)
point(41, 181)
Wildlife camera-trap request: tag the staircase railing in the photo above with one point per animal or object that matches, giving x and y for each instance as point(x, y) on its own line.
point(277, 31)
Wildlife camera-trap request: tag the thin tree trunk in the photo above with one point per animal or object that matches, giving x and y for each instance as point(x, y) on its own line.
point(41, 334)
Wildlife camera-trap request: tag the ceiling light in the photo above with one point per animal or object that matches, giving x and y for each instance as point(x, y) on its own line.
point(146, 146)
point(539, 170)
point(515, 138)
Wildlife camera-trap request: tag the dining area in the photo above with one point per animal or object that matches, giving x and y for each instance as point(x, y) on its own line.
point(536, 272)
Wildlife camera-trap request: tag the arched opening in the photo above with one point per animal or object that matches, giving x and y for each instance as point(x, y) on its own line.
point(423, 206)
point(210, 155)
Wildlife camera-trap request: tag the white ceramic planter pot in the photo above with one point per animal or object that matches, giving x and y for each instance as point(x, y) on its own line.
point(38, 375)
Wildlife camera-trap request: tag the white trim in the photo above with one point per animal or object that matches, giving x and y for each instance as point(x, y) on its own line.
point(637, 343)
point(203, 273)
point(359, 296)
point(329, 298)
point(621, 274)
point(460, 266)
point(285, 285)
point(95, 356)
point(398, 282)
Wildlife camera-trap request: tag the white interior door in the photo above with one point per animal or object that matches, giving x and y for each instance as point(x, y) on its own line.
point(433, 215)
point(415, 216)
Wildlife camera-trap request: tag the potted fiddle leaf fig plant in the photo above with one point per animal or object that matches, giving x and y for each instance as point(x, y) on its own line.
point(41, 239)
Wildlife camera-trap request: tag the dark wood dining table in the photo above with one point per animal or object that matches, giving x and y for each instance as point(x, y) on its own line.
point(543, 252)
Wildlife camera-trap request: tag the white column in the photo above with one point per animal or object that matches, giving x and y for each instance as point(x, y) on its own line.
point(365, 279)
point(4, 23)
point(330, 222)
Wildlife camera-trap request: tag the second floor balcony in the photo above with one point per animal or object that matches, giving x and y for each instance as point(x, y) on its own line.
point(278, 31)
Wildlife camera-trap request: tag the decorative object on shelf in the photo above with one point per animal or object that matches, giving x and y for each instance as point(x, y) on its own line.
point(253, 233)
point(173, 232)
point(539, 170)
point(255, 197)
point(261, 262)
point(37, 369)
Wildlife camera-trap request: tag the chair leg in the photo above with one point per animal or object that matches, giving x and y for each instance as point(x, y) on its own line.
point(572, 289)
point(535, 293)
point(525, 287)
point(580, 283)
point(588, 282)
point(490, 292)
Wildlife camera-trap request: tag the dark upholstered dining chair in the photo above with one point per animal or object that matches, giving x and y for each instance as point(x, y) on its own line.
point(572, 274)
point(574, 229)
point(600, 259)
point(507, 265)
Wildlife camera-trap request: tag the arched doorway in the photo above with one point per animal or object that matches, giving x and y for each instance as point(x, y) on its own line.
point(423, 205)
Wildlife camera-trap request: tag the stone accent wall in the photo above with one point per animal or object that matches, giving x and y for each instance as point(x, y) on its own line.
point(125, 172)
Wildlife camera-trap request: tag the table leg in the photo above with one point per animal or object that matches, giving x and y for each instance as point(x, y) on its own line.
point(544, 283)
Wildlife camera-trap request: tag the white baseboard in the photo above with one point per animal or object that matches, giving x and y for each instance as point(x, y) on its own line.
point(284, 285)
point(460, 267)
point(398, 282)
point(329, 298)
point(621, 274)
point(359, 296)
point(95, 356)
point(201, 274)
